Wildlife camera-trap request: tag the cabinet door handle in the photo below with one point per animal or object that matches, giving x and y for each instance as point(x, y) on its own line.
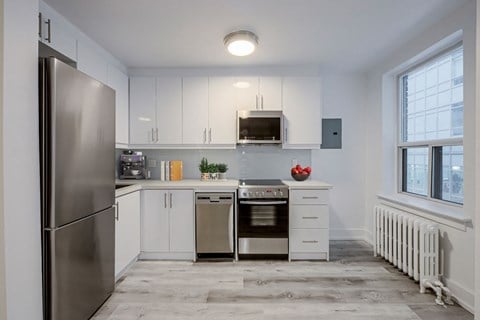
point(256, 101)
point(262, 101)
point(286, 134)
point(209, 135)
point(310, 241)
point(309, 197)
point(156, 134)
point(153, 139)
point(313, 218)
point(171, 202)
point(205, 135)
point(49, 31)
point(117, 209)
point(40, 24)
point(165, 200)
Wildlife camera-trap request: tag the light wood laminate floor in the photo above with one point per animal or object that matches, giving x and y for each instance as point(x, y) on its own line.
point(353, 285)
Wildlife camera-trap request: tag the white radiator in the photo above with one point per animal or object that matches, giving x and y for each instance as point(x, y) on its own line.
point(412, 245)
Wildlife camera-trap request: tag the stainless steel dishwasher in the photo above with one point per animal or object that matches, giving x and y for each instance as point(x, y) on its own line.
point(214, 225)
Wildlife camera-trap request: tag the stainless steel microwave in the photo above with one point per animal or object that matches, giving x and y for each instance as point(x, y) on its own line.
point(259, 127)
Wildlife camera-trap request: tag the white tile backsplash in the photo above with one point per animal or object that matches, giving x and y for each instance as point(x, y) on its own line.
point(254, 162)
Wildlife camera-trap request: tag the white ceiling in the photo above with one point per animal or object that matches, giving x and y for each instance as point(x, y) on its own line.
point(346, 35)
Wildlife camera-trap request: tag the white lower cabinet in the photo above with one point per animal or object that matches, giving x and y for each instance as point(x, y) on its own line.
point(127, 231)
point(309, 224)
point(167, 224)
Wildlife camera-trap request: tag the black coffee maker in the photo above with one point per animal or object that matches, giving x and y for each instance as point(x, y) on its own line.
point(133, 165)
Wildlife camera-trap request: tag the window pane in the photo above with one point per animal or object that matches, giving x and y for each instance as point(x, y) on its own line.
point(432, 99)
point(415, 170)
point(448, 173)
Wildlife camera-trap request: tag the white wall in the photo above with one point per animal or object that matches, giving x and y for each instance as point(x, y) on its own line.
point(477, 177)
point(458, 245)
point(344, 96)
point(3, 312)
point(21, 205)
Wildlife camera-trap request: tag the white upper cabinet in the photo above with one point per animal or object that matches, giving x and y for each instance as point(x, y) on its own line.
point(142, 110)
point(222, 116)
point(169, 110)
point(91, 62)
point(195, 110)
point(156, 110)
point(119, 82)
point(302, 112)
point(254, 93)
point(209, 115)
point(270, 93)
point(245, 93)
point(56, 32)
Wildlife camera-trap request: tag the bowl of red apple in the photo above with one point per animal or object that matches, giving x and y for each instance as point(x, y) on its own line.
point(300, 174)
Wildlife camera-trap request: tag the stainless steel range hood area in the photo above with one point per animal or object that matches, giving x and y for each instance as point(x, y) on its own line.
point(259, 127)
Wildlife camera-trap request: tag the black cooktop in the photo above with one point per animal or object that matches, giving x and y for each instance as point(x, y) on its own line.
point(260, 182)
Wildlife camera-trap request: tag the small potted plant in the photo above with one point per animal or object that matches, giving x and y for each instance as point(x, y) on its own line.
point(222, 171)
point(212, 170)
point(204, 170)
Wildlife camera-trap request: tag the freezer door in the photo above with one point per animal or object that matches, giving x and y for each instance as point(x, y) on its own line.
point(78, 144)
point(79, 267)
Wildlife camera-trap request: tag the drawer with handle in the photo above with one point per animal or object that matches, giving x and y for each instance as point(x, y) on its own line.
point(309, 240)
point(309, 216)
point(309, 196)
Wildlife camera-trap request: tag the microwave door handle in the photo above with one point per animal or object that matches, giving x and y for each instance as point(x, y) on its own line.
point(263, 202)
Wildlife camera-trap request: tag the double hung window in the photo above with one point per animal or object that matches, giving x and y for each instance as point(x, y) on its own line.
point(431, 127)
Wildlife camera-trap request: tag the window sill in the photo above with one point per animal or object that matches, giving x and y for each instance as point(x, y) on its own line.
point(449, 215)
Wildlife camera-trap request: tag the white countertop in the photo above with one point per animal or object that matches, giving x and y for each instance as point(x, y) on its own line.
point(307, 184)
point(198, 185)
point(195, 184)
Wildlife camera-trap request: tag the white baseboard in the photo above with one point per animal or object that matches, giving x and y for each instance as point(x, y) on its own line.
point(166, 256)
point(462, 296)
point(122, 272)
point(350, 234)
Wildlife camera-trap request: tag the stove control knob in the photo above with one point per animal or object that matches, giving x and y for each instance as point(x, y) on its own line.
point(263, 193)
point(280, 193)
point(250, 194)
point(257, 194)
point(274, 193)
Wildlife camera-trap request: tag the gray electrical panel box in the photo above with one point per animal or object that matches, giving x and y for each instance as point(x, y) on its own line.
point(331, 134)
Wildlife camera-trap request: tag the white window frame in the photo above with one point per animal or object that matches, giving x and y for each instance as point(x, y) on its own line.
point(430, 144)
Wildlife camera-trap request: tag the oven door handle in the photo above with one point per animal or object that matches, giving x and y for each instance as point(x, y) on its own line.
point(263, 202)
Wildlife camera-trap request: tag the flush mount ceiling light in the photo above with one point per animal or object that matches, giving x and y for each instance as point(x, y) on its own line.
point(241, 43)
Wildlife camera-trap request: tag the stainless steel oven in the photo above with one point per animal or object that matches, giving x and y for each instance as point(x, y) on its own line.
point(262, 223)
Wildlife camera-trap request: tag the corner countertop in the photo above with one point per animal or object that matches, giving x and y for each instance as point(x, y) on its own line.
point(197, 185)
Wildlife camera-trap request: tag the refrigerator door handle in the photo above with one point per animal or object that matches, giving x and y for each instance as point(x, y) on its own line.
point(117, 211)
point(165, 200)
point(171, 201)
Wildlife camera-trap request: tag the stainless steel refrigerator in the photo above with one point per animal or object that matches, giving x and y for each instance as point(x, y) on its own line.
point(77, 147)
